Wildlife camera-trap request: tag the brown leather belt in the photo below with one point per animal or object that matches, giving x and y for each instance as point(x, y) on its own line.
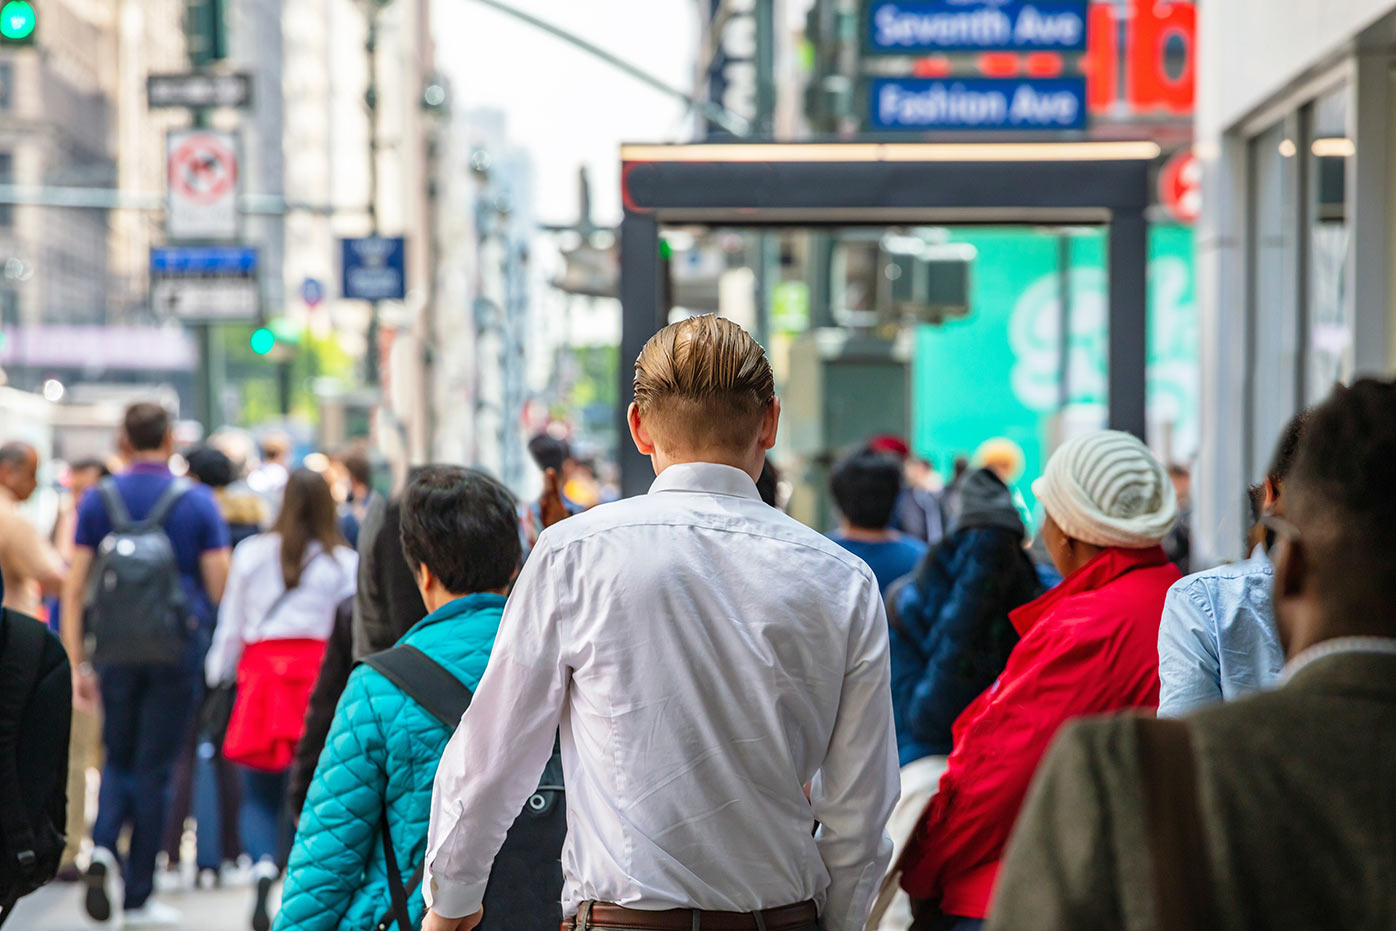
point(597, 915)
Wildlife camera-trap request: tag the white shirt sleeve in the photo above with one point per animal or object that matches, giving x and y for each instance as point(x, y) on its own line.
point(223, 654)
point(855, 790)
point(492, 763)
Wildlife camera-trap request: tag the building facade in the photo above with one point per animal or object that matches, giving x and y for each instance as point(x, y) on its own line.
point(1295, 289)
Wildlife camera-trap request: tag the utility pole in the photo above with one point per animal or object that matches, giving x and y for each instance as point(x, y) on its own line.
point(371, 10)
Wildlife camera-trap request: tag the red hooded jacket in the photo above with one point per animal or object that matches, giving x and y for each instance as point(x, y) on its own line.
point(1089, 646)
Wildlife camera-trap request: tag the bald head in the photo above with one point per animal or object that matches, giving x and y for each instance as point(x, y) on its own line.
point(19, 469)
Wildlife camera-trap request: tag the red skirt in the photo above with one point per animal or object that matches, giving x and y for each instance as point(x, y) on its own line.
point(275, 679)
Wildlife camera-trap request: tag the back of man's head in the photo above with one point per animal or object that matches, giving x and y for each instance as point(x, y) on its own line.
point(357, 464)
point(462, 525)
point(703, 384)
point(865, 487)
point(1342, 498)
point(146, 426)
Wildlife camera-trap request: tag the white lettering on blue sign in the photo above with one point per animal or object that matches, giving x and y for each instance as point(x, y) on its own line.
point(941, 104)
point(1047, 29)
point(912, 29)
point(1032, 107)
point(978, 103)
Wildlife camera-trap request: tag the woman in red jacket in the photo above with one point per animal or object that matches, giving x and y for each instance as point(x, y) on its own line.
point(1089, 646)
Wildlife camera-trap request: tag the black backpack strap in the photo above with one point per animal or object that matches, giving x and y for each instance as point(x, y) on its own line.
point(445, 698)
point(1173, 818)
point(21, 650)
point(116, 505)
point(165, 503)
point(425, 681)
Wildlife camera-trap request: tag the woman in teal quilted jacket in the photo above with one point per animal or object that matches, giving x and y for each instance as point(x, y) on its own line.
point(460, 534)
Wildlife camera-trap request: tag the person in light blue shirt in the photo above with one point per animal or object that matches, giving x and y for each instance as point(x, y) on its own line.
point(1217, 640)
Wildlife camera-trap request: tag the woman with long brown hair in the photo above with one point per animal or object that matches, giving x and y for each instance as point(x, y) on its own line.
point(276, 615)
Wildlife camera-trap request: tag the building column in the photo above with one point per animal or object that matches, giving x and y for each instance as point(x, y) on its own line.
point(1219, 477)
point(1370, 200)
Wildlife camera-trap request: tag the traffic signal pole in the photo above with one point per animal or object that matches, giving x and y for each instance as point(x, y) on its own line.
point(371, 368)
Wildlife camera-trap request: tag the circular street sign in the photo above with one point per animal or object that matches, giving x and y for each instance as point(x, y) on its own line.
point(17, 20)
point(203, 169)
point(312, 292)
point(1180, 186)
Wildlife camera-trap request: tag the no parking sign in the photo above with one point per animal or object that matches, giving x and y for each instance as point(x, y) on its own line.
point(202, 181)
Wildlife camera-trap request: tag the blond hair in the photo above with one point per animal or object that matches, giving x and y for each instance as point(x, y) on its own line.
point(703, 382)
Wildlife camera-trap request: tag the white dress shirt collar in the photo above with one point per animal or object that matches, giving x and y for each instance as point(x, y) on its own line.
point(707, 478)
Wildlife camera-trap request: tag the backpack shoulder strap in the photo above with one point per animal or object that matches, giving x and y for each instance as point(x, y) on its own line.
point(1177, 842)
point(165, 503)
point(432, 686)
point(425, 681)
point(116, 505)
point(21, 649)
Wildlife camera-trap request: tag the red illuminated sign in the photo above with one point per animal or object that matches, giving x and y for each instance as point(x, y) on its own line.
point(1148, 28)
point(1180, 186)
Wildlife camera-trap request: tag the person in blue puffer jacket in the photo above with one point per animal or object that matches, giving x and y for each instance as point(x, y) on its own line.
point(460, 535)
point(950, 634)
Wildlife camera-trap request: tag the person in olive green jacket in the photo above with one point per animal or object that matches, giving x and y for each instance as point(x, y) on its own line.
point(1286, 817)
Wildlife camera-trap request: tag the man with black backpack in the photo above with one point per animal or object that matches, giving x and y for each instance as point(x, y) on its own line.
point(149, 566)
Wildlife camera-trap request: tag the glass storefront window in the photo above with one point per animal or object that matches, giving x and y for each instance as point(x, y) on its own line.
point(1329, 343)
point(1274, 314)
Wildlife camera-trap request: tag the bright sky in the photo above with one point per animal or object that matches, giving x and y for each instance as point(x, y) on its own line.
point(564, 106)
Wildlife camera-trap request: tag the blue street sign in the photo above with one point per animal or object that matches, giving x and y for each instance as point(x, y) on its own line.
point(374, 268)
point(977, 103)
point(919, 27)
point(198, 261)
point(312, 292)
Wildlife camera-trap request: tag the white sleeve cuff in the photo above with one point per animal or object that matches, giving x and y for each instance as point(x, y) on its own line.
point(453, 901)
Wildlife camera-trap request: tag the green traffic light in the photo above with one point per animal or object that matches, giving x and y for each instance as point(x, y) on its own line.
point(17, 21)
point(262, 341)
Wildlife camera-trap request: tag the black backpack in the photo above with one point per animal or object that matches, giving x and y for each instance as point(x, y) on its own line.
point(136, 608)
point(525, 888)
point(36, 708)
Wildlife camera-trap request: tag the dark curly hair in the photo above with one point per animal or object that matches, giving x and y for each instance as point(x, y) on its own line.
point(1344, 499)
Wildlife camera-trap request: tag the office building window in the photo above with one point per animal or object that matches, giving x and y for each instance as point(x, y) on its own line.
point(1330, 344)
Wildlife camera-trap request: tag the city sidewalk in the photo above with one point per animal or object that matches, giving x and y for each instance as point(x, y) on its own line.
point(59, 908)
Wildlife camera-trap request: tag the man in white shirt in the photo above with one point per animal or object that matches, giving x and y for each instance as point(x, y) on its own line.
point(705, 657)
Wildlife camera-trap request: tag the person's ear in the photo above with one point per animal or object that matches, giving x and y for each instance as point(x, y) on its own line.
point(1272, 496)
point(770, 424)
point(423, 577)
point(639, 433)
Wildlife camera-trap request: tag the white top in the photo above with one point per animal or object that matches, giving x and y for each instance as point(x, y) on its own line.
point(255, 583)
point(705, 656)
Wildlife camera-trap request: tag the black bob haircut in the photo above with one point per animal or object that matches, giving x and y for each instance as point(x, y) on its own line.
point(549, 452)
point(865, 487)
point(462, 525)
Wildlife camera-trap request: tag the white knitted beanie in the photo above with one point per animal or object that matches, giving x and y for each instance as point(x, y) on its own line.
point(1107, 489)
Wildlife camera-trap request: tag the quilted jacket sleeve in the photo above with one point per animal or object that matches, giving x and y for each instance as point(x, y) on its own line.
point(952, 678)
point(339, 825)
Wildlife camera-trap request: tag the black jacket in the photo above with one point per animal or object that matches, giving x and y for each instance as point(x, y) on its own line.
point(950, 634)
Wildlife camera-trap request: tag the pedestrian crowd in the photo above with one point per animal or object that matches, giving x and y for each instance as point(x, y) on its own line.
point(446, 709)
